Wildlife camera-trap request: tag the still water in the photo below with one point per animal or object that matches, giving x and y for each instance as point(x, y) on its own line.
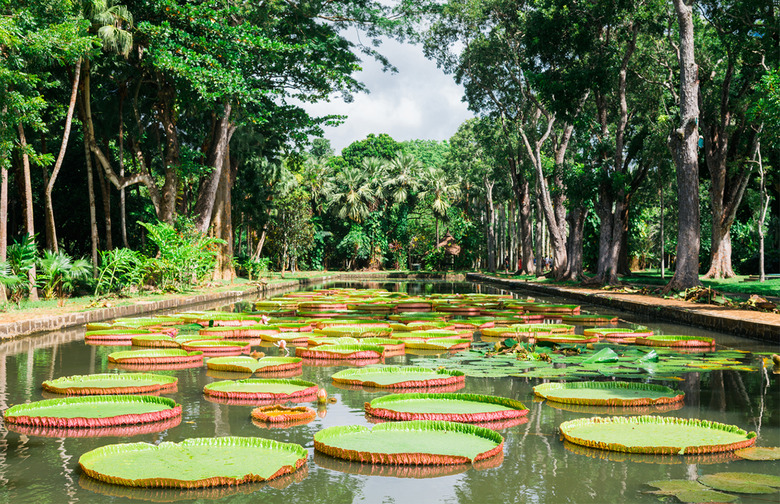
point(537, 467)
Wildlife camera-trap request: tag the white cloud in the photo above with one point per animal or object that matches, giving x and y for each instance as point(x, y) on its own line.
point(419, 101)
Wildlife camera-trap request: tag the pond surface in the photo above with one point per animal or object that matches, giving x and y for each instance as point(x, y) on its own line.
point(537, 467)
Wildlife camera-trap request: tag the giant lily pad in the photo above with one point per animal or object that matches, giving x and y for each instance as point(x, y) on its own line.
point(419, 442)
point(167, 356)
point(193, 463)
point(247, 364)
point(262, 389)
point(93, 411)
point(651, 434)
point(469, 408)
point(115, 336)
point(393, 377)
point(339, 352)
point(111, 383)
point(218, 347)
point(154, 341)
point(608, 393)
point(747, 483)
point(92, 432)
point(253, 331)
point(355, 331)
point(566, 338)
point(664, 340)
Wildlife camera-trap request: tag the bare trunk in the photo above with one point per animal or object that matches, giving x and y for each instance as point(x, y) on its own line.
point(206, 196)
point(3, 213)
point(491, 217)
point(122, 195)
point(575, 242)
point(761, 216)
point(170, 190)
point(538, 270)
point(526, 230)
point(51, 229)
point(683, 143)
point(28, 206)
point(261, 242)
point(222, 224)
point(663, 249)
point(106, 197)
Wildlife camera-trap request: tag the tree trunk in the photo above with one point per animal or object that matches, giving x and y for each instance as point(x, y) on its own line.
point(663, 248)
point(92, 210)
point(526, 229)
point(122, 195)
point(538, 270)
point(222, 224)
point(51, 229)
point(206, 196)
point(261, 242)
point(575, 242)
point(491, 218)
point(167, 117)
point(764, 199)
point(683, 143)
point(106, 197)
point(28, 206)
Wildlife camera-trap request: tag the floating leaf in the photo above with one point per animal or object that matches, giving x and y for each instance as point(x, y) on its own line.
point(760, 453)
point(749, 483)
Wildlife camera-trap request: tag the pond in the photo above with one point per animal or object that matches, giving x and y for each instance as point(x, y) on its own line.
point(537, 466)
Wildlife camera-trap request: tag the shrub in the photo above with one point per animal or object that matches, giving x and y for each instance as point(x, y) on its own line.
point(59, 274)
point(120, 269)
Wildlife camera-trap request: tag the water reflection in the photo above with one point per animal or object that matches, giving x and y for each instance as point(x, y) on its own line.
point(537, 467)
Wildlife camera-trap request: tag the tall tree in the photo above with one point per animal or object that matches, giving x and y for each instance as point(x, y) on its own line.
point(683, 143)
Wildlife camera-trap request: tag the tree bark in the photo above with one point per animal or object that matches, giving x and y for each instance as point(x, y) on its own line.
point(106, 197)
point(764, 199)
point(28, 207)
point(222, 224)
point(122, 192)
point(206, 196)
point(574, 243)
point(51, 229)
point(526, 229)
point(491, 218)
point(683, 143)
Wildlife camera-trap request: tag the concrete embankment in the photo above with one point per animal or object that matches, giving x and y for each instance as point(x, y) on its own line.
point(750, 324)
point(55, 320)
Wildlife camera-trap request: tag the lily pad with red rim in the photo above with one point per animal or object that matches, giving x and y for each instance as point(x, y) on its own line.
point(279, 414)
point(436, 344)
point(93, 411)
point(247, 364)
point(341, 352)
point(166, 356)
point(398, 377)
point(111, 383)
point(608, 393)
point(154, 341)
point(665, 340)
point(218, 347)
point(469, 408)
point(417, 442)
point(262, 389)
point(658, 435)
point(193, 463)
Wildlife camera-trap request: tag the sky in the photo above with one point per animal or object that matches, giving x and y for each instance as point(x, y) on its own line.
point(418, 102)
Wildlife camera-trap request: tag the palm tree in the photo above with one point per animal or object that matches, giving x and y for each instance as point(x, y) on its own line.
point(443, 191)
point(316, 179)
point(404, 178)
point(353, 194)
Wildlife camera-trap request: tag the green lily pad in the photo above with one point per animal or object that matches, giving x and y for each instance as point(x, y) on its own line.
point(398, 377)
point(262, 389)
point(748, 483)
point(470, 408)
point(247, 364)
point(420, 442)
point(359, 351)
point(166, 356)
point(660, 435)
point(93, 411)
point(608, 393)
point(193, 463)
point(436, 343)
point(111, 383)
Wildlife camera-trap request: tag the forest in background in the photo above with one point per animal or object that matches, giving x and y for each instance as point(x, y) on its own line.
point(164, 142)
